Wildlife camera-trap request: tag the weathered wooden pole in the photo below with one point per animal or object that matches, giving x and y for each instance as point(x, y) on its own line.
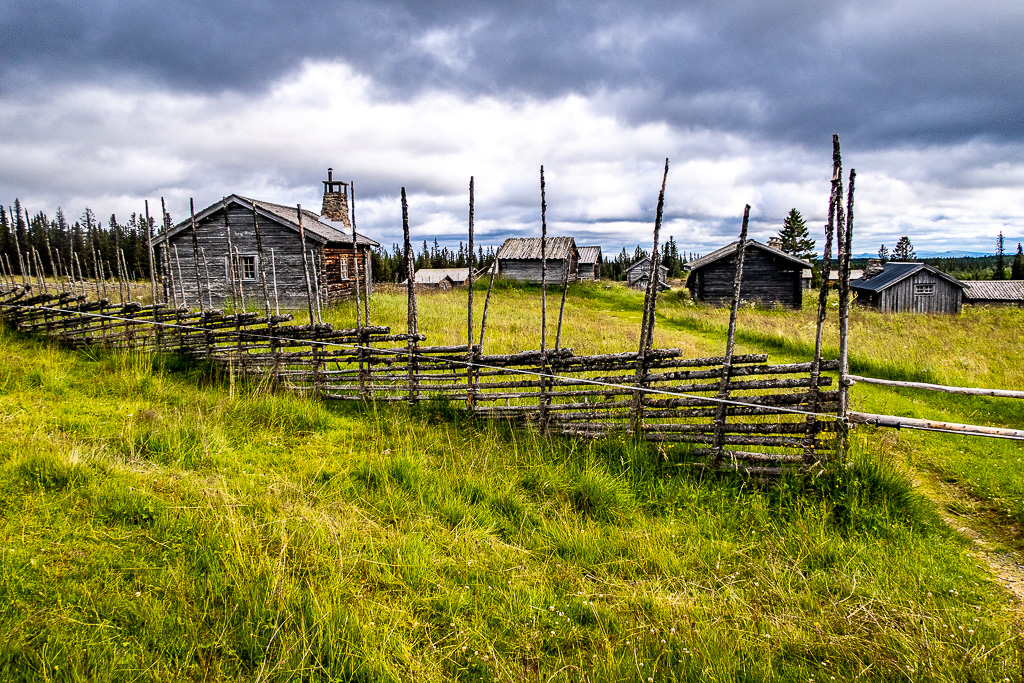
point(844, 307)
point(469, 309)
point(646, 322)
point(231, 258)
point(810, 452)
point(195, 253)
point(305, 265)
point(241, 289)
point(181, 283)
point(152, 264)
point(487, 303)
point(17, 247)
point(262, 258)
point(723, 388)
point(561, 307)
point(209, 282)
point(543, 306)
point(273, 269)
point(165, 253)
point(355, 256)
point(411, 316)
point(313, 259)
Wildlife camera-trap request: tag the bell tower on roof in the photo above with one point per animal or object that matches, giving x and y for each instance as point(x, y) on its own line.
point(335, 206)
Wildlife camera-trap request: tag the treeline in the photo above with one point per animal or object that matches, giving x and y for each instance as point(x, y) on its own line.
point(86, 245)
point(389, 266)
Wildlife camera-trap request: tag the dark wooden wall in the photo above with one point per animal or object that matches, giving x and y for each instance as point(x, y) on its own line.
point(287, 260)
point(334, 287)
point(767, 279)
point(528, 270)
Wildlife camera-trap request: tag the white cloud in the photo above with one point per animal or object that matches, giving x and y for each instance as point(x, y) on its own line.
point(111, 146)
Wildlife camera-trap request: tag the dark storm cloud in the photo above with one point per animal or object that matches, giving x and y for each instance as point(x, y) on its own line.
point(880, 73)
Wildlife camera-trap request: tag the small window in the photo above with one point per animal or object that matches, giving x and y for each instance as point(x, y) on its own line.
point(344, 268)
point(924, 289)
point(247, 267)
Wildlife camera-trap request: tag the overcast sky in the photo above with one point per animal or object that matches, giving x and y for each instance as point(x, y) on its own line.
point(108, 103)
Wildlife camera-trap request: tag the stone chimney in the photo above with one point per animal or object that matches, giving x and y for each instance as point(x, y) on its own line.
point(873, 268)
point(335, 200)
point(775, 243)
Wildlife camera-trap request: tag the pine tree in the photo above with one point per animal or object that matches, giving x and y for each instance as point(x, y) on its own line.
point(883, 253)
point(904, 250)
point(1017, 269)
point(796, 240)
point(999, 272)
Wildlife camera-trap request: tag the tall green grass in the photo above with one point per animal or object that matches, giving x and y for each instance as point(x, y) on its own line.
point(159, 524)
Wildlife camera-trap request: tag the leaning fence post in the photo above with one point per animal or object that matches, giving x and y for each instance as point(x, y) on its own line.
point(826, 266)
point(355, 265)
point(723, 388)
point(543, 307)
point(470, 392)
point(650, 304)
point(411, 316)
point(844, 312)
point(305, 265)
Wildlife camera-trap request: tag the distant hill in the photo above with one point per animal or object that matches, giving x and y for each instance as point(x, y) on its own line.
point(956, 253)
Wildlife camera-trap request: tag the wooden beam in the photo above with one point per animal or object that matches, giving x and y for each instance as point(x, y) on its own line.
point(970, 391)
point(933, 425)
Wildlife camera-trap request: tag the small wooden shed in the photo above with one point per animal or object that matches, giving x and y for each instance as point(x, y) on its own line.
point(994, 293)
point(330, 253)
point(440, 278)
point(590, 263)
point(519, 258)
point(901, 287)
point(639, 274)
point(770, 276)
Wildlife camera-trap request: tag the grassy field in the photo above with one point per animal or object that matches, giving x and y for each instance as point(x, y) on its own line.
point(162, 523)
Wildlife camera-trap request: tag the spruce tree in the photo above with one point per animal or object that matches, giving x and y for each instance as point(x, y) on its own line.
point(1017, 269)
point(796, 240)
point(999, 272)
point(883, 253)
point(904, 250)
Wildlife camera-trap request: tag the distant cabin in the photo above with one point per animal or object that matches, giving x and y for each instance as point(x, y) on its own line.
point(994, 292)
point(899, 287)
point(440, 278)
point(590, 263)
point(332, 258)
point(770, 276)
point(639, 274)
point(519, 258)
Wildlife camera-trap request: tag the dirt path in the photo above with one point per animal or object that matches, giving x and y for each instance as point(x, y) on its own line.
point(996, 544)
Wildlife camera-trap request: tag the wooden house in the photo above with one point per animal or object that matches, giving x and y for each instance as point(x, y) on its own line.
point(590, 263)
point(519, 258)
point(770, 276)
point(994, 293)
point(899, 287)
point(332, 259)
point(639, 274)
point(440, 278)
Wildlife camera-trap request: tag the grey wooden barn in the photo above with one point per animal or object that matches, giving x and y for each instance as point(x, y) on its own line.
point(331, 256)
point(770, 276)
point(900, 287)
point(439, 278)
point(518, 258)
point(590, 263)
point(639, 274)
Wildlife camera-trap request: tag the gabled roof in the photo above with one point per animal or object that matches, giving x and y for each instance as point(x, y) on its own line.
point(730, 249)
point(995, 290)
point(433, 276)
point(529, 248)
point(315, 228)
point(590, 254)
point(646, 260)
point(896, 271)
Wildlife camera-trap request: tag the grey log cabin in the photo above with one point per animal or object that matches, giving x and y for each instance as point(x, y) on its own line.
point(518, 258)
point(770, 276)
point(331, 256)
point(639, 274)
point(590, 263)
point(898, 287)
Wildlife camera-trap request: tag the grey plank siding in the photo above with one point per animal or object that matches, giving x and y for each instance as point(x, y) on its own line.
point(529, 270)
point(766, 279)
point(211, 236)
point(912, 295)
